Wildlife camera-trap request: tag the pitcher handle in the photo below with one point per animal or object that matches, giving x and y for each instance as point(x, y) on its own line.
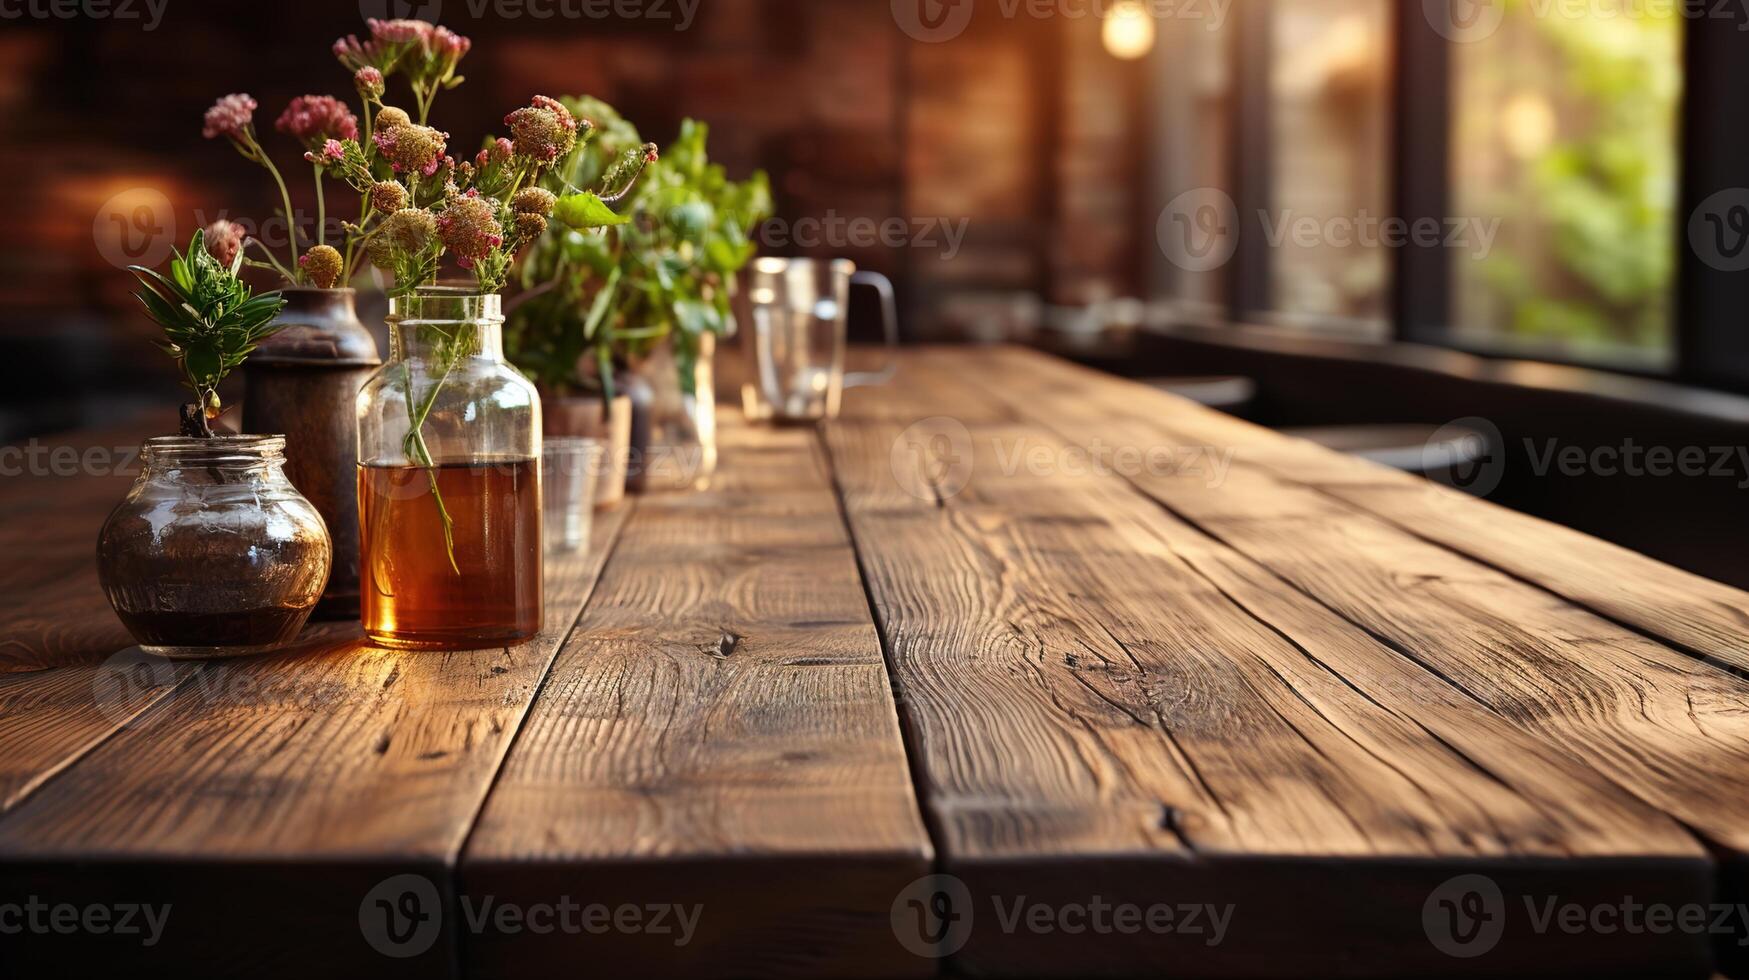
point(889, 327)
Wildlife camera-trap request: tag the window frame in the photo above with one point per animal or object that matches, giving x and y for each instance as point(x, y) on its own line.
point(1710, 307)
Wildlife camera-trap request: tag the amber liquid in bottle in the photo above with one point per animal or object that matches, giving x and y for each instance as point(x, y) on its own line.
point(413, 597)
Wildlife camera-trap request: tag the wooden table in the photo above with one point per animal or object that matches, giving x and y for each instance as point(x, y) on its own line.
point(1156, 692)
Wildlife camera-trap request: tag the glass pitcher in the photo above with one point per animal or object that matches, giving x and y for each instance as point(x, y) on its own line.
point(799, 312)
point(449, 448)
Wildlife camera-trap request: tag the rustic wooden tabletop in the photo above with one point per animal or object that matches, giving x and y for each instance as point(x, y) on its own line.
point(1015, 670)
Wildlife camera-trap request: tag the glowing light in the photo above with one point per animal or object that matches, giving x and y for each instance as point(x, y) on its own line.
point(1128, 30)
point(1527, 124)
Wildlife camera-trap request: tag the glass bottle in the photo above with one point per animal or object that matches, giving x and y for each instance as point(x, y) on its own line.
point(213, 553)
point(449, 447)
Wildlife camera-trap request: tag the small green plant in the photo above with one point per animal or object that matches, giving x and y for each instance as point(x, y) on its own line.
point(212, 323)
point(663, 272)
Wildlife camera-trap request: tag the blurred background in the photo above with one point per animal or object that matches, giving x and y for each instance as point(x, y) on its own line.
point(1364, 212)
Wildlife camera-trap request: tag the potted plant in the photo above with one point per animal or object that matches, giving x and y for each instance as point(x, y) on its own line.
point(213, 552)
point(651, 297)
point(558, 328)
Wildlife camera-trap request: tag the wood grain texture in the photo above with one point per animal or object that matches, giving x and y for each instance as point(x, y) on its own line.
point(1100, 707)
point(718, 735)
point(1697, 614)
point(264, 799)
point(1666, 726)
point(61, 693)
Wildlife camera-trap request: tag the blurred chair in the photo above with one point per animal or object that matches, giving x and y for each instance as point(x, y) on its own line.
point(1231, 394)
point(1426, 450)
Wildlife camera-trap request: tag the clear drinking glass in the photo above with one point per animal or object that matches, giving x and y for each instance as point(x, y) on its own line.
point(570, 471)
point(799, 311)
point(674, 427)
point(449, 448)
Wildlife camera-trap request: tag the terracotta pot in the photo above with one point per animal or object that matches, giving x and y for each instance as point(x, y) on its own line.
point(581, 415)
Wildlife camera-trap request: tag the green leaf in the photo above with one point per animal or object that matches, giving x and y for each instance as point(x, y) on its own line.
point(205, 365)
point(603, 303)
point(695, 317)
point(585, 210)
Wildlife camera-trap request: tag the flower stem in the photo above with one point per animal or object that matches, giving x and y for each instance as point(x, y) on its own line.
point(321, 212)
point(420, 453)
point(272, 261)
point(284, 195)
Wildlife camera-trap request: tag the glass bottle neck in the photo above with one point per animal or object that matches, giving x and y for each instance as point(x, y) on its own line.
point(429, 340)
point(445, 324)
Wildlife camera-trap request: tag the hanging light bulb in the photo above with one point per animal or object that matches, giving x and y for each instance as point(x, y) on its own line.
point(1128, 30)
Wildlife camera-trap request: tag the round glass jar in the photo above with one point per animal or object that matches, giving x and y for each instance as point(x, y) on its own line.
point(213, 553)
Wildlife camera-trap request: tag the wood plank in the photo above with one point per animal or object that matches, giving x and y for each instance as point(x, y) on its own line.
point(1095, 712)
point(1697, 614)
point(1666, 726)
point(61, 693)
point(265, 799)
point(718, 736)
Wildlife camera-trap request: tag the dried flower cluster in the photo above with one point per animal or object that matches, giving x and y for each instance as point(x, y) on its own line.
point(317, 119)
point(417, 201)
point(354, 146)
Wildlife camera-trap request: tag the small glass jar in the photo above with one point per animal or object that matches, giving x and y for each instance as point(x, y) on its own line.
point(213, 553)
point(449, 448)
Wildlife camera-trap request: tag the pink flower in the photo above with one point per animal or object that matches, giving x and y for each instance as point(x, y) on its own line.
point(230, 116)
point(224, 240)
point(399, 31)
point(332, 152)
point(469, 228)
point(449, 45)
point(411, 148)
point(544, 130)
point(499, 151)
point(369, 81)
point(358, 55)
point(315, 118)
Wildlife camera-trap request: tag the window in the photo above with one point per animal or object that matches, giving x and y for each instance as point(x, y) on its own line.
point(1504, 177)
point(1565, 166)
point(1193, 76)
point(1329, 130)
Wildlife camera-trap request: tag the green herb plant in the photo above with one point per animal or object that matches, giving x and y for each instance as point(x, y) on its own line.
point(664, 272)
point(212, 323)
